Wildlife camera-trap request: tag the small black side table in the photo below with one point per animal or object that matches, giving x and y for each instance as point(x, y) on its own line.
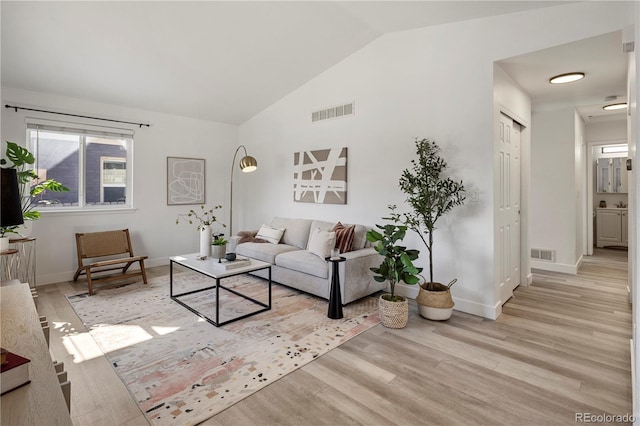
point(335, 297)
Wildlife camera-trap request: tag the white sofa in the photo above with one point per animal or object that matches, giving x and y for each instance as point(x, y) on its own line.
point(295, 266)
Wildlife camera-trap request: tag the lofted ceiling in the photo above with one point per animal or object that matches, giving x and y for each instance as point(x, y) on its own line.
point(227, 61)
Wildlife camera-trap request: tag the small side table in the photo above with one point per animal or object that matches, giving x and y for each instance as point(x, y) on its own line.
point(24, 264)
point(335, 297)
point(6, 263)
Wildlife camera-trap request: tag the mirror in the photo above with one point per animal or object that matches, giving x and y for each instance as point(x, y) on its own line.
point(612, 175)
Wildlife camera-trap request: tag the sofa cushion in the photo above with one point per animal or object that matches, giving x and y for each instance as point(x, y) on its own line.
point(359, 237)
point(296, 230)
point(321, 242)
point(270, 233)
point(264, 252)
point(249, 237)
point(304, 261)
point(344, 237)
point(323, 225)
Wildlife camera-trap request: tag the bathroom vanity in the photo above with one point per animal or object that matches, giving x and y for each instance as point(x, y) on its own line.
point(611, 227)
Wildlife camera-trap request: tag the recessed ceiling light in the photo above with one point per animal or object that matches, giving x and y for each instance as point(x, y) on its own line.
point(566, 78)
point(611, 107)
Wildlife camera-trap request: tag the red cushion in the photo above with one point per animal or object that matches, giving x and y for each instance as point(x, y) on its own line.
point(344, 237)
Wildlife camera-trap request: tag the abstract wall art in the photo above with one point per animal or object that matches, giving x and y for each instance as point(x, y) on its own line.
point(185, 180)
point(320, 176)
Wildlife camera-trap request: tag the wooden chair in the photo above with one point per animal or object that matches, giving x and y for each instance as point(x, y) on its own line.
point(112, 244)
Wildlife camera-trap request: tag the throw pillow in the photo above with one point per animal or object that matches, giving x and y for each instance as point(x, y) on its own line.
point(249, 237)
point(344, 237)
point(321, 242)
point(271, 234)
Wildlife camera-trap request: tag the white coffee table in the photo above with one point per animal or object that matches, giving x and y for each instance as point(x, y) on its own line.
point(208, 268)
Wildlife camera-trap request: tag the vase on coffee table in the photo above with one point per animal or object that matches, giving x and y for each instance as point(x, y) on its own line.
point(205, 240)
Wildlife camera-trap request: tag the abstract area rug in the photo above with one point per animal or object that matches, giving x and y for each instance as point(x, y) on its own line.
point(183, 370)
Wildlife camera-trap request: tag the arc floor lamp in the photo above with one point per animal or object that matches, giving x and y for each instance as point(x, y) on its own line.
point(247, 164)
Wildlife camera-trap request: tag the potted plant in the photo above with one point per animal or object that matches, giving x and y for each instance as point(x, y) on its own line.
point(430, 194)
point(397, 265)
point(29, 185)
point(219, 247)
point(203, 219)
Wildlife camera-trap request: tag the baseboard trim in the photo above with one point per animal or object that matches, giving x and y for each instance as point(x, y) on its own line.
point(59, 277)
point(462, 305)
point(556, 267)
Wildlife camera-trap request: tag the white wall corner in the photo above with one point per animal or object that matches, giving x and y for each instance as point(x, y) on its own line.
point(474, 308)
point(529, 279)
point(408, 291)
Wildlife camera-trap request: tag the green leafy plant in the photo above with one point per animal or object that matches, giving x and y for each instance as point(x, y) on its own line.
point(30, 186)
point(200, 218)
point(219, 241)
point(397, 264)
point(430, 194)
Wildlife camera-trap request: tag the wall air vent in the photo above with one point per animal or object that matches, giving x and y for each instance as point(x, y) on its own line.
point(338, 111)
point(543, 254)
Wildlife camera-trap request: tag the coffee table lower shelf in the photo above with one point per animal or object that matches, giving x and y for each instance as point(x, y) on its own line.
point(186, 262)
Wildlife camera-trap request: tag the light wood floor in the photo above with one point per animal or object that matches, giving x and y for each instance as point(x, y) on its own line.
point(560, 347)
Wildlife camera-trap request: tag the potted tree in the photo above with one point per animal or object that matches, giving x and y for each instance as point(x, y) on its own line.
point(430, 194)
point(397, 265)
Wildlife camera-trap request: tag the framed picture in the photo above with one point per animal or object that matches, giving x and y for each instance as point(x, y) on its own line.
point(185, 180)
point(320, 176)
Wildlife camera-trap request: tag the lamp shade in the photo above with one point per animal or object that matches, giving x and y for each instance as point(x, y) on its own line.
point(11, 207)
point(248, 164)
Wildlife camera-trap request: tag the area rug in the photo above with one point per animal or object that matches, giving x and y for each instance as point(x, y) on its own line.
point(183, 370)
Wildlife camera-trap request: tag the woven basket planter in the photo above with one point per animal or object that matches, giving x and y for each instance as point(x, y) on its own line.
point(435, 304)
point(393, 314)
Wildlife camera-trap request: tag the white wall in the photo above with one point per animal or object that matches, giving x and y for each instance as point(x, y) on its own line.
point(433, 82)
point(553, 185)
point(605, 131)
point(580, 169)
point(152, 223)
point(559, 189)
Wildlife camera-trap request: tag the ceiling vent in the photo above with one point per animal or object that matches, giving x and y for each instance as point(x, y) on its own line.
point(338, 111)
point(543, 254)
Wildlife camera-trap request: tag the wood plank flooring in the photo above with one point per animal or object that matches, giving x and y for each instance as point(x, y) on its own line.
point(560, 347)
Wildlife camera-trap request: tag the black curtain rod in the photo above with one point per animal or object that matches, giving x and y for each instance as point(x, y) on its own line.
point(76, 115)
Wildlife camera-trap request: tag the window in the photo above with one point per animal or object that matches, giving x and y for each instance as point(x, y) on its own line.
point(114, 180)
point(94, 163)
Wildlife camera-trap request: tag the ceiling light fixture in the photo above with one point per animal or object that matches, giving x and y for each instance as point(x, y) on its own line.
point(612, 107)
point(566, 78)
